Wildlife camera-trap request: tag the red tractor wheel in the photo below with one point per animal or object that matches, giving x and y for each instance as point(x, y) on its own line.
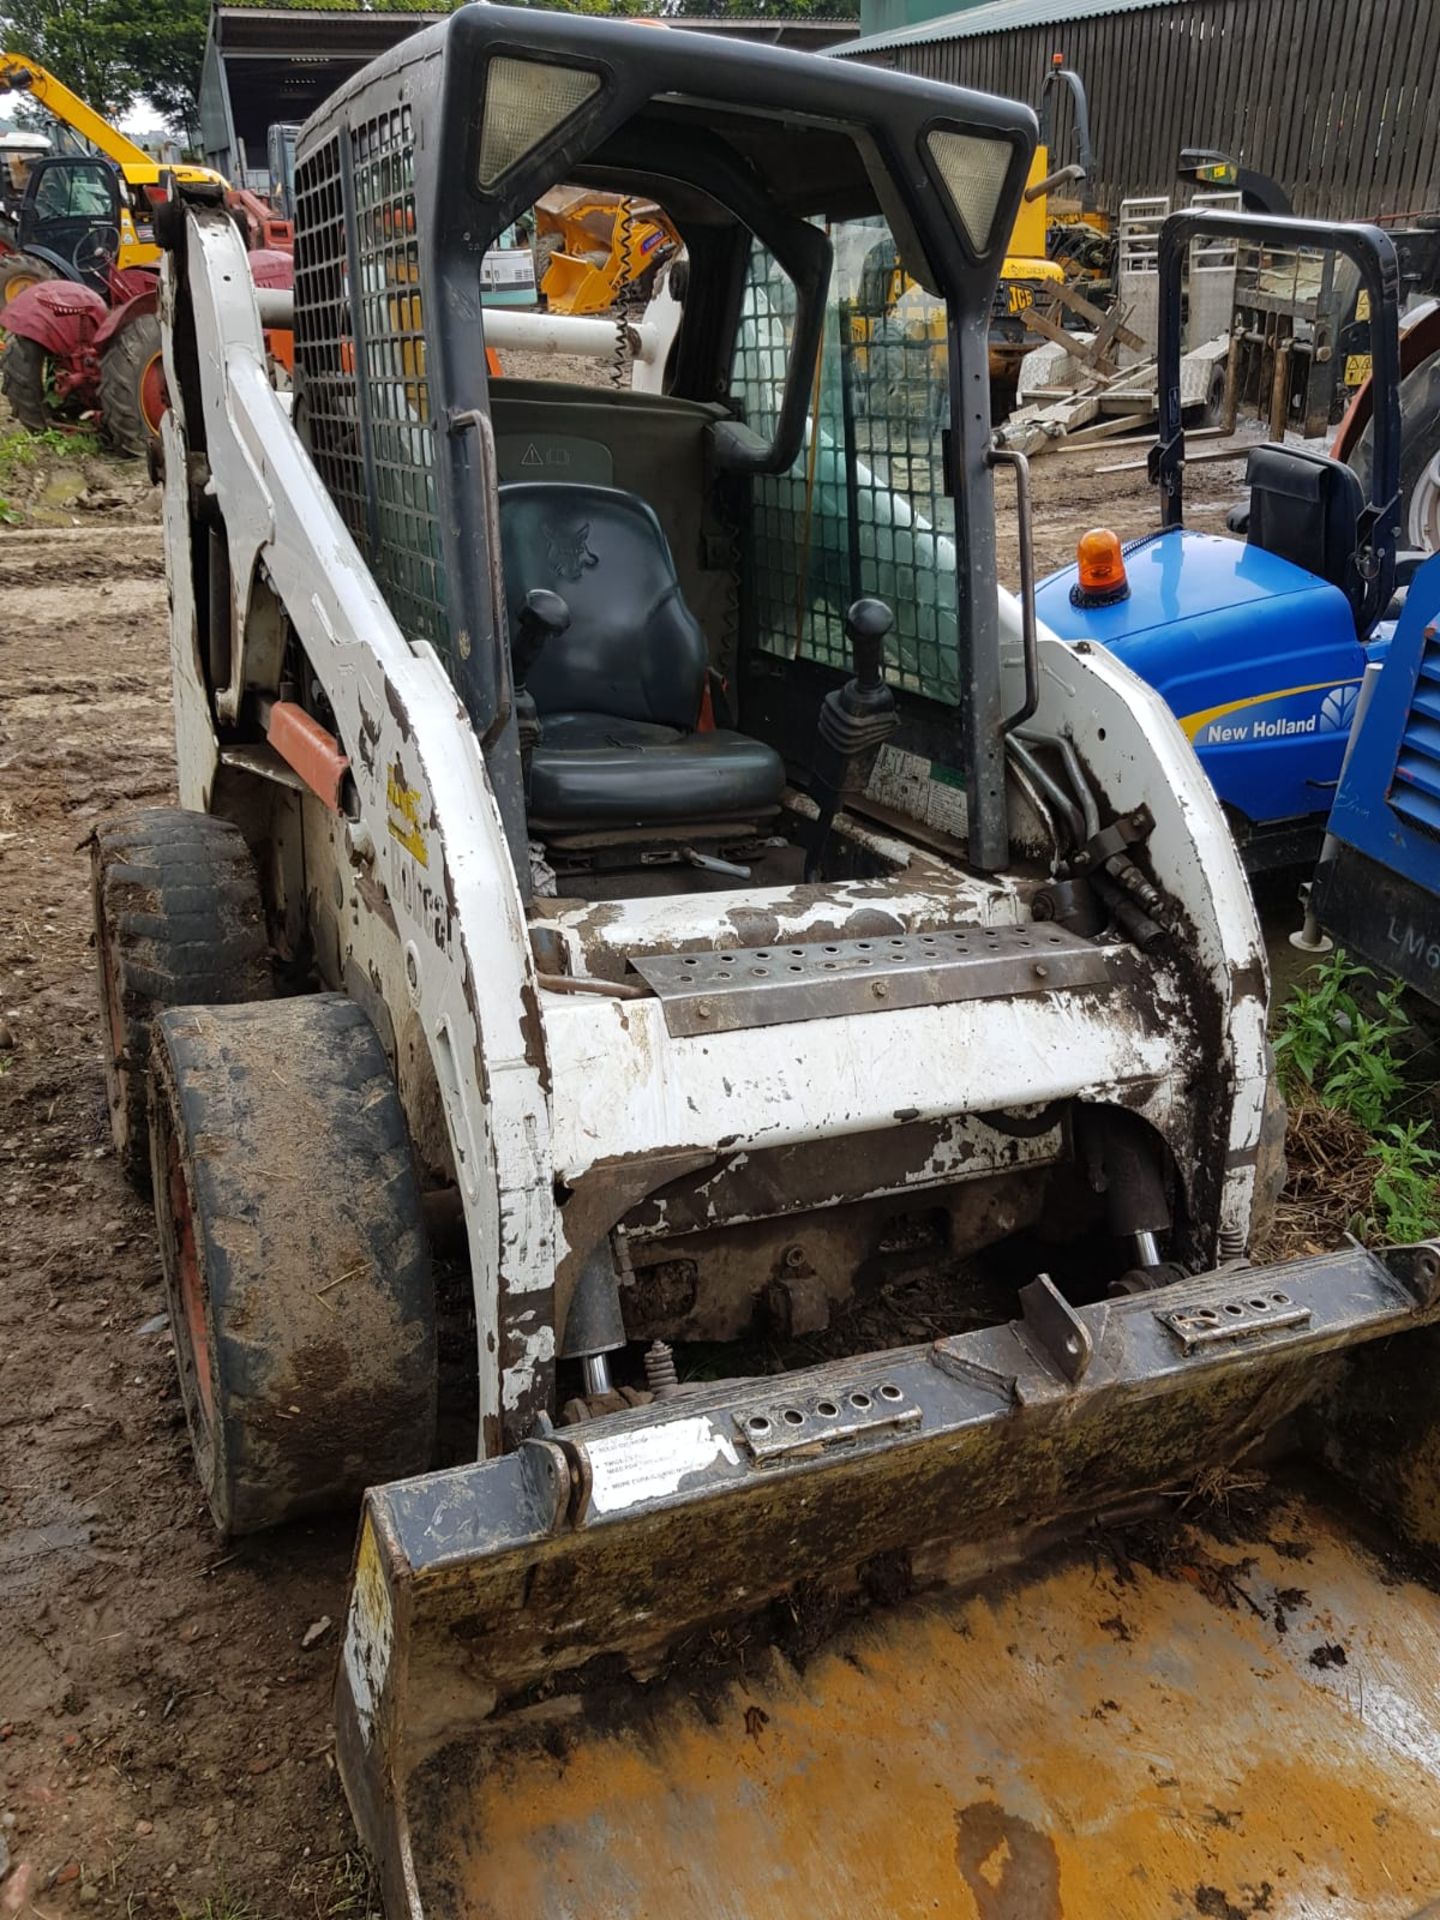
point(133, 398)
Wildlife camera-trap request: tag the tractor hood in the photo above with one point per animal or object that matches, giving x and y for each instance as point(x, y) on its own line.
point(1257, 658)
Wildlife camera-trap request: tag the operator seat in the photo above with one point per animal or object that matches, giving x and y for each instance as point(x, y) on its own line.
point(619, 692)
point(1306, 508)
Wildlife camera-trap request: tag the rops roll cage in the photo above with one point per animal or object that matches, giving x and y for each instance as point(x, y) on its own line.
point(1373, 254)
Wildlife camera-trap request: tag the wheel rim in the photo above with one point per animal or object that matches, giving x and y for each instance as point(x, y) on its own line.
point(154, 399)
point(193, 1331)
point(1423, 526)
point(19, 283)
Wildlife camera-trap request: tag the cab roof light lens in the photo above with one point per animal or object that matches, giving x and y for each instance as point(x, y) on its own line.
point(525, 101)
point(973, 169)
point(1100, 564)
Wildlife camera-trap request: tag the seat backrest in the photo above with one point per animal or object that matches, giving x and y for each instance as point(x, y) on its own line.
point(1305, 508)
point(633, 648)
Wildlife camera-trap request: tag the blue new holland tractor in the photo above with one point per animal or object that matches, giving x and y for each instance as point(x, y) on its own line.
point(1303, 659)
point(1260, 640)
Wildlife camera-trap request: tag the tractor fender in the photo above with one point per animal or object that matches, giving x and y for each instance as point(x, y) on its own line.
point(271, 268)
point(118, 317)
point(58, 315)
point(65, 268)
point(129, 283)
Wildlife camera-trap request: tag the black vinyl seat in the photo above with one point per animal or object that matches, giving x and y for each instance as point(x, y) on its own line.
point(619, 693)
point(1306, 508)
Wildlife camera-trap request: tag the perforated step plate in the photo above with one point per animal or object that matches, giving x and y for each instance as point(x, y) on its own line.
point(768, 986)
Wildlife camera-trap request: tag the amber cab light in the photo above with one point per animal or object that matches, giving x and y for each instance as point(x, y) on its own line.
point(1101, 570)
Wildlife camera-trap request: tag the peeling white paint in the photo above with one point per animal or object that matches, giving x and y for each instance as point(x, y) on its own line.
point(451, 888)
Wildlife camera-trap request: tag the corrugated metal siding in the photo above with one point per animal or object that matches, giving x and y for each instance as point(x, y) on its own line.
point(1333, 98)
point(999, 16)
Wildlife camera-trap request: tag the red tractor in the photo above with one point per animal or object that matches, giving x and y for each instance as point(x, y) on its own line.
point(84, 333)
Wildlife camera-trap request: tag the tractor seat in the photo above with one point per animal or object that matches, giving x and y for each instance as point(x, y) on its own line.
point(619, 693)
point(1306, 508)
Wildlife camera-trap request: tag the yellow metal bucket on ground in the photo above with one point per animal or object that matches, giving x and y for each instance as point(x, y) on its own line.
point(994, 1628)
point(1254, 1731)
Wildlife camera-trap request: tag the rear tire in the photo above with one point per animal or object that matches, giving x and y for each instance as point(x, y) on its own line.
point(132, 387)
point(1419, 445)
point(178, 922)
point(296, 1269)
point(544, 248)
point(22, 378)
point(18, 273)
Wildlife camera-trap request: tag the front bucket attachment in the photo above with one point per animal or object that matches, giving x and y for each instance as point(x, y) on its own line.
point(575, 285)
point(816, 1645)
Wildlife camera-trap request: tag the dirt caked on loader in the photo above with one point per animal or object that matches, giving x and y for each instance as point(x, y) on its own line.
point(832, 1008)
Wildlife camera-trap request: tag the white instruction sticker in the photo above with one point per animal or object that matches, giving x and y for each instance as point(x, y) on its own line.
point(648, 1462)
point(925, 789)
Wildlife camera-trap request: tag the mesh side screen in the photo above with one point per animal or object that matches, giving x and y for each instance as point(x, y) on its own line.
point(407, 559)
point(327, 407)
point(863, 510)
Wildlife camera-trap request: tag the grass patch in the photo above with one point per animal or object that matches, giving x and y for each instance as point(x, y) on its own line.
point(21, 451)
point(220, 1906)
point(1359, 1159)
point(354, 1894)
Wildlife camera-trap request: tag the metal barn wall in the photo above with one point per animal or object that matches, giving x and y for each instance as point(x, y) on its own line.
point(1333, 98)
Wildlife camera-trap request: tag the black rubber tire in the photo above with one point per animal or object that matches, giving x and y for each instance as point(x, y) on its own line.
point(544, 248)
point(1419, 434)
point(297, 1272)
point(20, 267)
point(178, 923)
point(22, 378)
point(123, 362)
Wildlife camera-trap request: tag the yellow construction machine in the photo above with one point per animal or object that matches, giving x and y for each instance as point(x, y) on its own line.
point(141, 173)
point(592, 247)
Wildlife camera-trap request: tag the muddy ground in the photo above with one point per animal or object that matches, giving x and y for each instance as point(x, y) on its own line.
point(164, 1746)
point(163, 1737)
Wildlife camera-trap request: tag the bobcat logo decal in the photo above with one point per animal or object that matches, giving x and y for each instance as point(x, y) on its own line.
point(567, 549)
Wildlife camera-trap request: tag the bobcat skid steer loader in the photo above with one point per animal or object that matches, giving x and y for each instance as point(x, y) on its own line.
point(656, 943)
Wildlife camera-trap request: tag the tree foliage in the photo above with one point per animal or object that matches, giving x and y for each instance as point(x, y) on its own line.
point(77, 40)
point(680, 10)
point(114, 53)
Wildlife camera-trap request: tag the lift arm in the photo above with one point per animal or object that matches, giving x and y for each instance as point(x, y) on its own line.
point(21, 75)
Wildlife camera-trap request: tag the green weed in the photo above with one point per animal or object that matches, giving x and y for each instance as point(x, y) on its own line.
point(21, 450)
point(1405, 1204)
point(1329, 1041)
point(1342, 1041)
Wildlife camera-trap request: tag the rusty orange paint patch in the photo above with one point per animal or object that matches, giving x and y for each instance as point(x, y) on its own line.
point(1060, 1745)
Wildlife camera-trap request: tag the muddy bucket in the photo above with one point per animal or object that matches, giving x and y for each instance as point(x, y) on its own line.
point(931, 1632)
